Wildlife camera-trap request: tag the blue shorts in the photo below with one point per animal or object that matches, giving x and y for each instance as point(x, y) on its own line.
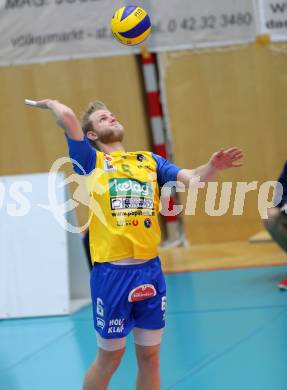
point(128, 296)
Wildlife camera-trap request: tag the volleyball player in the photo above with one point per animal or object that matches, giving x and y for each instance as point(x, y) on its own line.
point(127, 284)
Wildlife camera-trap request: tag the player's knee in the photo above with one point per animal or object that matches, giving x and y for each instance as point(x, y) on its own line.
point(149, 358)
point(115, 358)
point(110, 360)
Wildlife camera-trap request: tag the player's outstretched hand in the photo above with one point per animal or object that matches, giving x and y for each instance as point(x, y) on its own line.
point(64, 116)
point(45, 103)
point(227, 158)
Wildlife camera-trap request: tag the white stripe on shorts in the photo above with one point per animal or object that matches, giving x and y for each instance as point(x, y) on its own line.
point(110, 344)
point(143, 337)
point(147, 337)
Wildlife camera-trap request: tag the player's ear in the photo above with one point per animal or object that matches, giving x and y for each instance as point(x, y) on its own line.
point(92, 135)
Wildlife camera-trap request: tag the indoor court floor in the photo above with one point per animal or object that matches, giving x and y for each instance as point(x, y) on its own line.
point(226, 329)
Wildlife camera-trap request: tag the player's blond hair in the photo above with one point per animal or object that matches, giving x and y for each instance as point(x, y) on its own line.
point(86, 122)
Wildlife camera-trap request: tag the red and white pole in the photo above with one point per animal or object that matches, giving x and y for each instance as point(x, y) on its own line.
point(155, 111)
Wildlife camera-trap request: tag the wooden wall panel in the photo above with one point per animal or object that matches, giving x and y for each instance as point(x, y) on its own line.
point(220, 99)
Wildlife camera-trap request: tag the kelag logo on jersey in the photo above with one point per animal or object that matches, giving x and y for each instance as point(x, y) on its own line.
point(130, 194)
point(128, 187)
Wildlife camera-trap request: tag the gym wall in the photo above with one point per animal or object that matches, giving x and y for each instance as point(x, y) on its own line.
point(233, 97)
point(215, 99)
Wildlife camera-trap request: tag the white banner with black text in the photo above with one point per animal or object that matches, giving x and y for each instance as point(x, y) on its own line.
point(273, 19)
point(48, 30)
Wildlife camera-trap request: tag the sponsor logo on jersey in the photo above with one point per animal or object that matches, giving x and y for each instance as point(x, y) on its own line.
point(124, 222)
point(129, 187)
point(108, 165)
point(118, 203)
point(142, 292)
point(135, 213)
point(141, 157)
point(147, 223)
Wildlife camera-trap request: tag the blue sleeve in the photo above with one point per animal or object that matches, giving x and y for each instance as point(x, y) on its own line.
point(83, 153)
point(166, 171)
point(283, 180)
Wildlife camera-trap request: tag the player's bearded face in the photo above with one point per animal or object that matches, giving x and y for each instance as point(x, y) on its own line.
point(106, 127)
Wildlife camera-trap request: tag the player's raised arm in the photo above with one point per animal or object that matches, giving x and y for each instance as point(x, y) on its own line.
point(221, 160)
point(64, 116)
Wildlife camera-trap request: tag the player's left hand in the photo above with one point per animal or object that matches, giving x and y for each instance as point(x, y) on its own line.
point(224, 159)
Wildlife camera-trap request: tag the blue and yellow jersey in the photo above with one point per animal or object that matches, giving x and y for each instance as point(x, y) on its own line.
point(124, 200)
